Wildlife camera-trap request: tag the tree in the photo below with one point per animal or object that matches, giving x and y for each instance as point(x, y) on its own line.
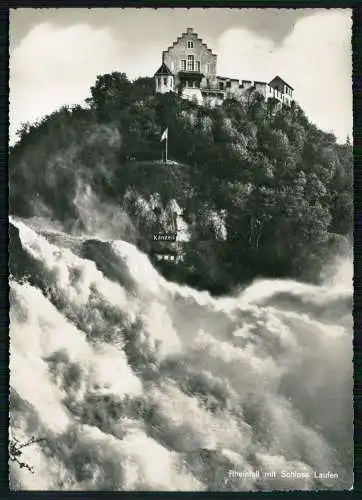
point(143, 87)
point(111, 93)
point(23, 130)
point(285, 185)
point(15, 451)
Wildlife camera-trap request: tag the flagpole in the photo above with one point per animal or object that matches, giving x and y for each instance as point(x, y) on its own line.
point(166, 144)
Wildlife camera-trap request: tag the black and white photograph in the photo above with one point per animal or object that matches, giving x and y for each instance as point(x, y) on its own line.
point(180, 249)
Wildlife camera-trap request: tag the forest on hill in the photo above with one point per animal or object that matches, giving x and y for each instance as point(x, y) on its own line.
point(285, 185)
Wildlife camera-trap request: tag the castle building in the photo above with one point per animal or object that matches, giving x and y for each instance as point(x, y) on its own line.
point(189, 68)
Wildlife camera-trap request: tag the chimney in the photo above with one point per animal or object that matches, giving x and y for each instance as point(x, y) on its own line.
point(189, 30)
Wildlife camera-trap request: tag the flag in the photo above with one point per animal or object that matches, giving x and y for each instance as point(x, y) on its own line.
point(164, 135)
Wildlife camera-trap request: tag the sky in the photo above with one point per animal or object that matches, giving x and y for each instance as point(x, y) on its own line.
point(56, 54)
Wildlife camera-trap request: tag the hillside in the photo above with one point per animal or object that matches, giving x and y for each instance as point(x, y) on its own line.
point(285, 186)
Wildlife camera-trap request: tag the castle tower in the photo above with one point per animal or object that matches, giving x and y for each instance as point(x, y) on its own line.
point(164, 80)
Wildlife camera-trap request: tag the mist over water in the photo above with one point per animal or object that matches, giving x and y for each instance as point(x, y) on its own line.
point(137, 383)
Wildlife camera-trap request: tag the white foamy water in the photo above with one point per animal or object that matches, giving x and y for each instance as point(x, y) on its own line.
point(136, 383)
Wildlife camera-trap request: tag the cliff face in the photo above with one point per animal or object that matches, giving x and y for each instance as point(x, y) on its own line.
point(252, 189)
point(169, 217)
point(155, 216)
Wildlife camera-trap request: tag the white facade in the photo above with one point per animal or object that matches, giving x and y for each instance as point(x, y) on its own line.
point(165, 83)
point(190, 67)
point(192, 94)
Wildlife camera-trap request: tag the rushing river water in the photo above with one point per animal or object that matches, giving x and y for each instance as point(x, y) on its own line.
point(137, 383)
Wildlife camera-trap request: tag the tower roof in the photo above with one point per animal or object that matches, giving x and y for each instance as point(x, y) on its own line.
point(163, 70)
point(277, 80)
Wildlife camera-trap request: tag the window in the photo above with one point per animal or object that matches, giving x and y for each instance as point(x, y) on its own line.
point(208, 68)
point(183, 65)
point(190, 44)
point(228, 84)
point(190, 63)
point(198, 66)
point(172, 66)
point(165, 80)
point(221, 85)
point(157, 83)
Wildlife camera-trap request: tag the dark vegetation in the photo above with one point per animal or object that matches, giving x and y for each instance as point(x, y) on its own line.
point(15, 452)
point(286, 185)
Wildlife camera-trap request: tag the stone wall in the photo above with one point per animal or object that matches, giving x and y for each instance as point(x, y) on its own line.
point(192, 94)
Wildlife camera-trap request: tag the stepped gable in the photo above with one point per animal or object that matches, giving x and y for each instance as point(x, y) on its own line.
point(185, 33)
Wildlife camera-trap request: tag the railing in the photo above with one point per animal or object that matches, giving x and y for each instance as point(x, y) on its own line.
point(190, 71)
point(212, 90)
